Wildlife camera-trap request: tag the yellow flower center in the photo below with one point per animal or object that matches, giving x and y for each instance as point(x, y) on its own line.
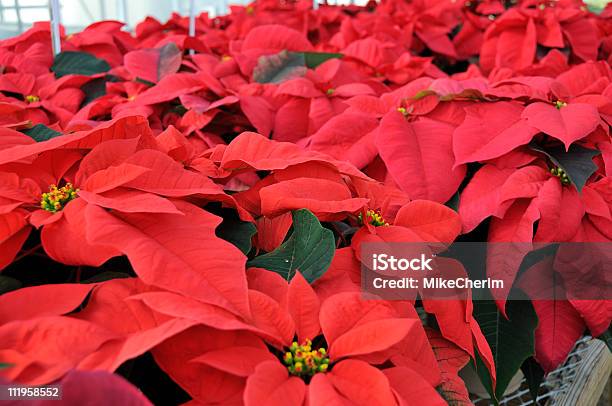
point(132, 97)
point(250, 10)
point(226, 58)
point(374, 217)
point(560, 104)
point(561, 174)
point(330, 91)
point(57, 198)
point(302, 360)
point(32, 98)
point(403, 110)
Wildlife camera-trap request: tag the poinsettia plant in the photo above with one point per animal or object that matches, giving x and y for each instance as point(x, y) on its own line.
point(189, 211)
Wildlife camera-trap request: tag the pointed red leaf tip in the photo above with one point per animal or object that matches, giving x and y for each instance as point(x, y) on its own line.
point(353, 326)
point(491, 130)
point(361, 383)
point(42, 301)
point(419, 156)
point(188, 254)
point(432, 221)
point(271, 385)
point(559, 327)
point(303, 305)
point(410, 387)
point(568, 123)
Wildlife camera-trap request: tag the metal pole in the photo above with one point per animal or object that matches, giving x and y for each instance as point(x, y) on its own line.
point(56, 40)
point(122, 11)
point(192, 22)
point(18, 14)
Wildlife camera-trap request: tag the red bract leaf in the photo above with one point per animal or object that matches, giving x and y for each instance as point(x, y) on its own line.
point(270, 317)
point(568, 124)
point(110, 178)
point(271, 385)
point(275, 38)
point(559, 327)
point(126, 127)
point(345, 311)
point(348, 137)
point(321, 391)
point(432, 221)
point(419, 156)
point(272, 232)
point(410, 387)
point(597, 314)
point(361, 383)
point(153, 64)
point(369, 337)
point(65, 240)
point(44, 349)
point(504, 260)
point(303, 305)
point(491, 130)
point(239, 361)
point(13, 233)
point(182, 245)
point(171, 87)
point(322, 197)
point(42, 301)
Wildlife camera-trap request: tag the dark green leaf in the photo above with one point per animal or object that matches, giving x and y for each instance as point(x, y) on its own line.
point(237, 232)
point(144, 82)
point(78, 63)
point(511, 340)
point(4, 365)
point(94, 89)
point(41, 132)
point(577, 162)
point(314, 59)
point(106, 276)
point(287, 65)
point(309, 250)
point(453, 202)
point(8, 284)
point(279, 67)
point(534, 374)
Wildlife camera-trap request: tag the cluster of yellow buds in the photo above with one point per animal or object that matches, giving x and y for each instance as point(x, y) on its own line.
point(374, 217)
point(302, 360)
point(32, 98)
point(57, 198)
point(330, 91)
point(560, 104)
point(403, 110)
point(560, 173)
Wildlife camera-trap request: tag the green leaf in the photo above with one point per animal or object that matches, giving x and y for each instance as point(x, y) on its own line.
point(8, 284)
point(41, 132)
point(94, 89)
point(236, 231)
point(453, 202)
point(314, 59)
point(534, 374)
point(287, 65)
point(4, 365)
point(511, 340)
point(78, 63)
point(309, 250)
point(577, 162)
